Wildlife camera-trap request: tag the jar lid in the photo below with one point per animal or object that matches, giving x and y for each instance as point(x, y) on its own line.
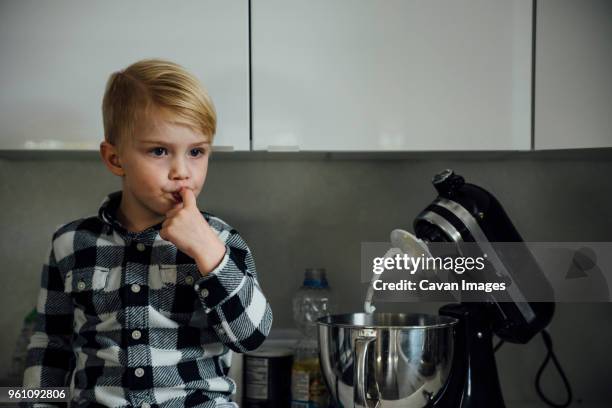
point(315, 277)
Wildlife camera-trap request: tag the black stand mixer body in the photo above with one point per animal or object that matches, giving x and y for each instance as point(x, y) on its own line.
point(466, 213)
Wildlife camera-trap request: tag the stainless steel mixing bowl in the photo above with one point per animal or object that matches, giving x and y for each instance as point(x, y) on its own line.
point(385, 359)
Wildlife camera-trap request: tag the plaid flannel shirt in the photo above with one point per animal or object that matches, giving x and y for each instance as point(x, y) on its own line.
point(128, 320)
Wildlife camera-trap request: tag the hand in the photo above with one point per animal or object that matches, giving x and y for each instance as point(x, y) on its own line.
point(188, 230)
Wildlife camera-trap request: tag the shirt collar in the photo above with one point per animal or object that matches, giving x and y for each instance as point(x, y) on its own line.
point(108, 214)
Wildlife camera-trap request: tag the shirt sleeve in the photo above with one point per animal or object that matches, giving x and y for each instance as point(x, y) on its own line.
point(231, 296)
point(50, 358)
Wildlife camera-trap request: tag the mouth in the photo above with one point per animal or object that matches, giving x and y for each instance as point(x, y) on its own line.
point(177, 197)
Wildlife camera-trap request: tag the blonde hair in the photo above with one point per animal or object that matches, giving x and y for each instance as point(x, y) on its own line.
point(133, 93)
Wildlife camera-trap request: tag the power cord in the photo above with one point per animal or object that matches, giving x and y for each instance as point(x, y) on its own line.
point(549, 355)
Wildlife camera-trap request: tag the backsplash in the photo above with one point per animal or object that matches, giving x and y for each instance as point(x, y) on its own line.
point(314, 210)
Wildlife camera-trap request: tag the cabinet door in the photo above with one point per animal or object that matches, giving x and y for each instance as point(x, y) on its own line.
point(573, 97)
point(351, 75)
point(57, 56)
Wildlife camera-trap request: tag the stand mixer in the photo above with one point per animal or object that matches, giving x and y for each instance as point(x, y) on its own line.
point(384, 360)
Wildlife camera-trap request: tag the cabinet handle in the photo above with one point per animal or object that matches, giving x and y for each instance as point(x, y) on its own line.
point(223, 148)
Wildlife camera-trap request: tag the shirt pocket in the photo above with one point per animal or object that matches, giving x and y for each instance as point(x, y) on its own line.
point(87, 285)
point(182, 275)
point(175, 292)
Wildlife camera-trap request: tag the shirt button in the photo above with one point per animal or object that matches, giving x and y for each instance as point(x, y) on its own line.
point(145, 405)
point(135, 288)
point(204, 292)
point(81, 285)
point(189, 280)
point(136, 334)
point(221, 331)
point(139, 372)
point(140, 246)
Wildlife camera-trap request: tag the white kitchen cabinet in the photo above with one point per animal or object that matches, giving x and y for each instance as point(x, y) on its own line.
point(57, 56)
point(393, 75)
point(573, 87)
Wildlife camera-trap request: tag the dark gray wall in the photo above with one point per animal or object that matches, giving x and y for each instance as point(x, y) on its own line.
point(301, 210)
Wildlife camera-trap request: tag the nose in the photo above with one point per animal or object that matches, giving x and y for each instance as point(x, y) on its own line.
point(179, 169)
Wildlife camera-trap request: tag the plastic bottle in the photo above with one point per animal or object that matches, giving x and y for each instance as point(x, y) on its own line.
point(312, 301)
point(21, 348)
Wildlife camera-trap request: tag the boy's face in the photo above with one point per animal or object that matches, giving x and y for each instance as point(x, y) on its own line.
point(155, 163)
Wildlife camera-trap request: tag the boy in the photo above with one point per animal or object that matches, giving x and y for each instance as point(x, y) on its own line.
point(144, 301)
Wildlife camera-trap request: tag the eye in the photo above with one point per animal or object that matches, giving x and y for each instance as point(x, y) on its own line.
point(197, 152)
point(158, 151)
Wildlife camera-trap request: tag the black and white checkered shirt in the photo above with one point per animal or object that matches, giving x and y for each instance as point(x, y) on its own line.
point(128, 319)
